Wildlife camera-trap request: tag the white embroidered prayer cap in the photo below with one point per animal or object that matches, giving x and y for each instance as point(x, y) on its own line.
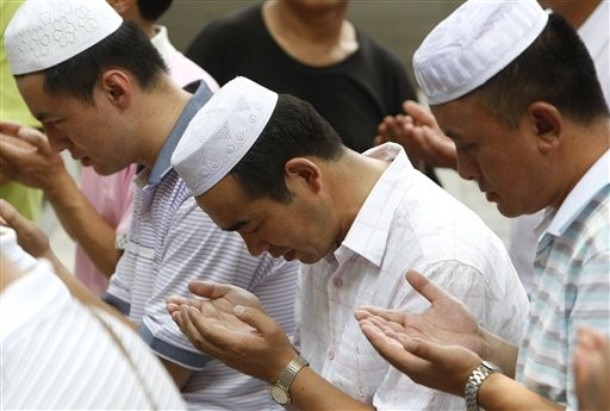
point(45, 33)
point(473, 44)
point(222, 132)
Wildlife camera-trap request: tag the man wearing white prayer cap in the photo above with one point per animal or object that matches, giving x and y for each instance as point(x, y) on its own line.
point(269, 167)
point(101, 91)
point(516, 90)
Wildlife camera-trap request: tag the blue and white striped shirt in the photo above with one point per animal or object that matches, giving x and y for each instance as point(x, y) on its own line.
point(571, 285)
point(172, 242)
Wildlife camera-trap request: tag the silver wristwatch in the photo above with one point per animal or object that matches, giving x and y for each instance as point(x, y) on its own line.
point(478, 375)
point(280, 389)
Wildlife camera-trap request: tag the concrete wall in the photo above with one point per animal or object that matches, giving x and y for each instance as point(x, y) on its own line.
point(400, 24)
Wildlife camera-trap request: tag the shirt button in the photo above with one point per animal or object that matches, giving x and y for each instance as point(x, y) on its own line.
point(331, 355)
point(338, 282)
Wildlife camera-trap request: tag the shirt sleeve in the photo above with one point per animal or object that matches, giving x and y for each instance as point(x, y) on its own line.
point(590, 308)
point(118, 293)
point(194, 249)
point(190, 252)
point(471, 286)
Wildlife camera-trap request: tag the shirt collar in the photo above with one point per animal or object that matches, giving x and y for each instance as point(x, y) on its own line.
point(370, 217)
point(163, 164)
point(597, 177)
point(589, 30)
point(162, 43)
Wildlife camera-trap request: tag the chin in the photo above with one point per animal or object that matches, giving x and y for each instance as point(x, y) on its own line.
point(308, 259)
point(510, 212)
point(103, 171)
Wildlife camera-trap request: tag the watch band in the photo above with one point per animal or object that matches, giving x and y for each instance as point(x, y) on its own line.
point(285, 380)
point(476, 378)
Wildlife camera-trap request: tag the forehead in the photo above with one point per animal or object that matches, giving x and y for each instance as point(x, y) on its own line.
point(226, 202)
point(462, 118)
point(40, 103)
point(31, 85)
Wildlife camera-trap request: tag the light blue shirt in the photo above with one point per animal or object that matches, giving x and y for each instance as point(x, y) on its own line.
point(571, 285)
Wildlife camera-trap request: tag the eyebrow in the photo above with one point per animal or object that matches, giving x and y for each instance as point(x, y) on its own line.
point(42, 116)
point(449, 133)
point(236, 226)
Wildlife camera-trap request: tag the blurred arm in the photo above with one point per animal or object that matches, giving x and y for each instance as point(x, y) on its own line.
point(26, 157)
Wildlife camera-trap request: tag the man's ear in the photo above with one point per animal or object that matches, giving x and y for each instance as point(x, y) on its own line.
point(121, 6)
point(117, 87)
point(547, 125)
point(128, 9)
point(304, 173)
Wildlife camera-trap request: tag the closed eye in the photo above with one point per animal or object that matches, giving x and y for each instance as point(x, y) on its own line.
point(252, 227)
point(51, 123)
point(464, 146)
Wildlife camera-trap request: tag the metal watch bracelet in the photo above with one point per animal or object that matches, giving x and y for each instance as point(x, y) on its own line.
point(476, 378)
point(280, 390)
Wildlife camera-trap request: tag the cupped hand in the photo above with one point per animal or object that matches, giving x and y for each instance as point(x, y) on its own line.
point(27, 157)
point(446, 321)
point(29, 235)
point(445, 368)
point(420, 135)
point(230, 325)
point(592, 370)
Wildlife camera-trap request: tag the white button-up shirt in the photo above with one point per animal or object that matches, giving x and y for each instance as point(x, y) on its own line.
point(406, 222)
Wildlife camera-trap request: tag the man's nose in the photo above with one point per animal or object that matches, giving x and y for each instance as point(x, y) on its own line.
point(255, 245)
point(467, 167)
point(57, 140)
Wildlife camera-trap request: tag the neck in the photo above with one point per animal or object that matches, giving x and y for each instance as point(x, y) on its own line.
point(591, 142)
point(159, 111)
point(352, 183)
point(130, 12)
point(316, 35)
point(575, 12)
point(149, 29)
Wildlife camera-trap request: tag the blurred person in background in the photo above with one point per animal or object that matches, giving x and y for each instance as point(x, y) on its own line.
point(309, 49)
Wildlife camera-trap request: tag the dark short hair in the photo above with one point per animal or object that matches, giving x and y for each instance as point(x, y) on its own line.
point(151, 10)
point(295, 129)
point(557, 69)
point(127, 48)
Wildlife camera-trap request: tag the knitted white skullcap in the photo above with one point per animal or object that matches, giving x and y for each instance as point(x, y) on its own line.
point(44, 33)
point(222, 132)
point(473, 44)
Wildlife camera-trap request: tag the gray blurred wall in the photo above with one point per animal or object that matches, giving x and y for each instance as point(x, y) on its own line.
point(400, 24)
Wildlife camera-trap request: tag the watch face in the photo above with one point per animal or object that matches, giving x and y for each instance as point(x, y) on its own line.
point(492, 366)
point(279, 395)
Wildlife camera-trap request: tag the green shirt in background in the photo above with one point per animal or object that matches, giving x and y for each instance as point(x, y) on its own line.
point(12, 108)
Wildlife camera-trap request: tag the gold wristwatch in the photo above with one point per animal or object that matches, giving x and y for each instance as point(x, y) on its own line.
point(280, 390)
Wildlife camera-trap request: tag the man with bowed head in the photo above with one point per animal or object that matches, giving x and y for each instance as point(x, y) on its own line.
point(419, 132)
point(531, 126)
point(271, 168)
point(101, 91)
point(97, 214)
